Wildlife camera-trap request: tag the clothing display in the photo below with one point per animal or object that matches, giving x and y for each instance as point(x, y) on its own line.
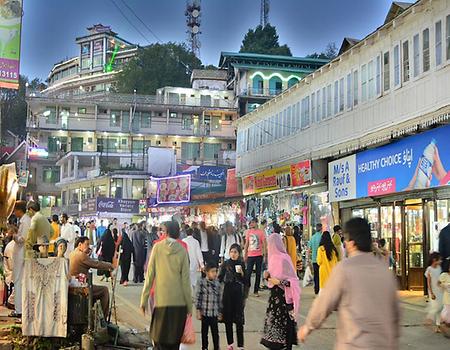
point(45, 297)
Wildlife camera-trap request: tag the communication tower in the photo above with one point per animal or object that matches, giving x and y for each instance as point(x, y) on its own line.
point(264, 18)
point(193, 21)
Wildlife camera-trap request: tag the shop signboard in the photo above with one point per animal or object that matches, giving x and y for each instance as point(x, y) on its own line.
point(23, 178)
point(342, 179)
point(413, 163)
point(117, 205)
point(10, 31)
point(89, 205)
point(233, 188)
point(207, 182)
point(297, 174)
point(174, 189)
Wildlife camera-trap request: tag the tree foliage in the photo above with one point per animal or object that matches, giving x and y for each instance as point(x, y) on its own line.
point(156, 66)
point(330, 52)
point(264, 40)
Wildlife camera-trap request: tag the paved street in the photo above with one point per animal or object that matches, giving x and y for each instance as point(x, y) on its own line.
point(413, 334)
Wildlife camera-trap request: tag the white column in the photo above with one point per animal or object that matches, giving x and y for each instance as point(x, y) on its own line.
point(75, 167)
point(61, 172)
point(69, 167)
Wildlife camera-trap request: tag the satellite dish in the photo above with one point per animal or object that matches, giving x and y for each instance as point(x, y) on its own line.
point(195, 13)
point(195, 29)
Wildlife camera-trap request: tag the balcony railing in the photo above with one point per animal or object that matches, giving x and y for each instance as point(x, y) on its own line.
point(260, 92)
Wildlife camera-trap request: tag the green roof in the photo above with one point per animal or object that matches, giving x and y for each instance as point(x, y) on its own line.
point(276, 68)
point(272, 58)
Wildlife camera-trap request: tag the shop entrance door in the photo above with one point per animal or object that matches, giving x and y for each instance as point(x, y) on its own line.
point(414, 229)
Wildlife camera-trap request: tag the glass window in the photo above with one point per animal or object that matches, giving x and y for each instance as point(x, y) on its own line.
point(305, 113)
point(137, 189)
point(416, 57)
point(290, 123)
point(216, 123)
point(191, 151)
point(397, 65)
point(100, 191)
point(50, 115)
point(313, 107)
point(112, 144)
point(186, 122)
point(114, 119)
point(324, 103)
point(447, 35)
point(371, 79)
point(98, 60)
point(386, 72)
point(116, 188)
point(341, 94)
point(137, 146)
point(76, 144)
point(378, 75)
point(426, 50)
point(336, 97)
point(438, 42)
point(85, 62)
point(211, 151)
point(173, 114)
point(364, 83)
point(82, 110)
point(319, 106)
point(50, 175)
point(329, 102)
point(405, 53)
point(349, 91)
point(355, 87)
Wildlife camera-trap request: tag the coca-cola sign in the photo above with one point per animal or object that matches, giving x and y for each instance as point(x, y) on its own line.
point(117, 205)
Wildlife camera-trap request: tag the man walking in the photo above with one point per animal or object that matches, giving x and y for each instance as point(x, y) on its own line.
point(68, 233)
point(229, 238)
point(336, 238)
point(39, 228)
point(139, 257)
point(20, 211)
point(313, 245)
point(355, 281)
point(254, 252)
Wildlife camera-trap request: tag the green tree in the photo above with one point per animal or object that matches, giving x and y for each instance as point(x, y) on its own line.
point(156, 66)
point(330, 52)
point(264, 40)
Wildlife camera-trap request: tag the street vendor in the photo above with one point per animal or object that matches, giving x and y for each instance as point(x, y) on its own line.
point(80, 262)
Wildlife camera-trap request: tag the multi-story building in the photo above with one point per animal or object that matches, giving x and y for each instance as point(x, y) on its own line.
point(392, 84)
point(257, 78)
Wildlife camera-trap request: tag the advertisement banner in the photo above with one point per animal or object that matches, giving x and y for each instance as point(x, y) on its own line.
point(116, 205)
point(207, 182)
point(174, 189)
point(416, 162)
point(233, 188)
point(292, 175)
point(342, 179)
point(10, 31)
point(23, 178)
point(89, 205)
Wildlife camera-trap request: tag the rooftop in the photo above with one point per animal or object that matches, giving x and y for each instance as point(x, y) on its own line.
point(209, 74)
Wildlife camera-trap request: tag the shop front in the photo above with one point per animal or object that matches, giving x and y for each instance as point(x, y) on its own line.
point(403, 190)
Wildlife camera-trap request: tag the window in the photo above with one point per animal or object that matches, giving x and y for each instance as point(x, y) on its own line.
point(371, 79)
point(146, 120)
point(447, 36)
point(438, 42)
point(173, 114)
point(336, 97)
point(81, 110)
point(191, 151)
point(378, 76)
point(284, 124)
point(397, 65)
point(405, 53)
point(85, 63)
point(386, 72)
point(364, 83)
point(212, 150)
point(114, 119)
point(216, 123)
point(76, 144)
point(137, 146)
point(319, 106)
point(313, 107)
point(186, 122)
point(305, 113)
point(426, 50)
point(50, 175)
point(355, 88)
point(137, 189)
point(290, 123)
point(329, 101)
point(98, 60)
point(341, 94)
point(116, 188)
point(349, 91)
point(50, 115)
point(324, 103)
point(416, 55)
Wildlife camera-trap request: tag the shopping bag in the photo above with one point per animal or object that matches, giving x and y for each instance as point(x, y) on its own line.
point(308, 278)
point(189, 332)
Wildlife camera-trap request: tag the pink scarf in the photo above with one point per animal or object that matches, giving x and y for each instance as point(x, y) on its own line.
point(280, 267)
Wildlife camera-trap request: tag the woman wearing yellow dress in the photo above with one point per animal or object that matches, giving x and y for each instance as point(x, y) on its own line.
point(327, 258)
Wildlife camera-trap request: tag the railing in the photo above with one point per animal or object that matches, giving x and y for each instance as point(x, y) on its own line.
point(261, 92)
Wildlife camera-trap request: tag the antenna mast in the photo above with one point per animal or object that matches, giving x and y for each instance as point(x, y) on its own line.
point(193, 22)
point(264, 17)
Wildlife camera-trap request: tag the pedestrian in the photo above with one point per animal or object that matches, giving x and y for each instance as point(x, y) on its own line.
point(229, 238)
point(106, 250)
point(444, 246)
point(100, 231)
point(290, 244)
point(313, 246)
point(68, 233)
point(254, 253)
point(90, 233)
point(150, 242)
point(56, 232)
point(337, 241)
point(233, 277)
point(444, 280)
point(168, 271)
point(327, 258)
point(435, 294)
point(284, 302)
point(196, 263)
point(39, 228)
point(354, 282)
point(298, 238)
point(140, 253)
point(20, 211)
point(77, 229)
point(207, 304)
point(125, 256)
point(201, 235)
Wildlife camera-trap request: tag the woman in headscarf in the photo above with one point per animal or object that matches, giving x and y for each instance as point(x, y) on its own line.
point(284, 302)
point(107, 249)
point(290, 244)
point(125, 257)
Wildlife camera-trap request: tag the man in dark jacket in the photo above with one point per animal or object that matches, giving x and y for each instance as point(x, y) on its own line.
point(444, 246)
point(138, 237)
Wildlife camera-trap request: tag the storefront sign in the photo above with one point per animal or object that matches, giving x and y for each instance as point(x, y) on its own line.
point(37, 153)
point(174, 189)
point(233, 188)
point(416, 162)
point(89, 205)
point(23, 178)
point(207, 182)
point(116, 205)
point(293, 175)
point(10, 29)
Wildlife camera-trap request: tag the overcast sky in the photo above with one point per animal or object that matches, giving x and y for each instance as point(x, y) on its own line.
point(51, 26)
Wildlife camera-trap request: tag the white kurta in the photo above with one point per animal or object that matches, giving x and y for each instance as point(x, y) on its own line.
point(18, 260)
point(195, 258)
point(45, 297)
point(69, 234)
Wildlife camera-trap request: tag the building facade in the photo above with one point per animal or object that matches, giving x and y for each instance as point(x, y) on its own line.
point(391, 84)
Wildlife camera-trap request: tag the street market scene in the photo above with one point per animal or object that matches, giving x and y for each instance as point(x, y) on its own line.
point(199, 174)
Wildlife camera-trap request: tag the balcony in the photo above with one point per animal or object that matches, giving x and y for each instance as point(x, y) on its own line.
point(261, 92)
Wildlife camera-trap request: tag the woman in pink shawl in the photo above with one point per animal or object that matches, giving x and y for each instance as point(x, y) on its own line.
point(284, 302)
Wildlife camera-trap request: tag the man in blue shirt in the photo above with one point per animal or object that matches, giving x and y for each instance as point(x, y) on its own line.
point(100, 231)
point(313, 245)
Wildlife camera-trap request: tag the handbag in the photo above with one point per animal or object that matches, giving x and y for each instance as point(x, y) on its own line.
point(189, 332)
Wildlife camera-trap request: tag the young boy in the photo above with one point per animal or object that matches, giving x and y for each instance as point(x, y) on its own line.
point(207, 303)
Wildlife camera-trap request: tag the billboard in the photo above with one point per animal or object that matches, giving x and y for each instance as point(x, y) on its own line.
point(416, 162)
point(207, 182)
point(116, 205)
point(175, 189)
point(233, 188)
point(10, 30)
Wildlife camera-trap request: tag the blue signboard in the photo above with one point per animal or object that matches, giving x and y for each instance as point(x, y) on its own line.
point(415, 162)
